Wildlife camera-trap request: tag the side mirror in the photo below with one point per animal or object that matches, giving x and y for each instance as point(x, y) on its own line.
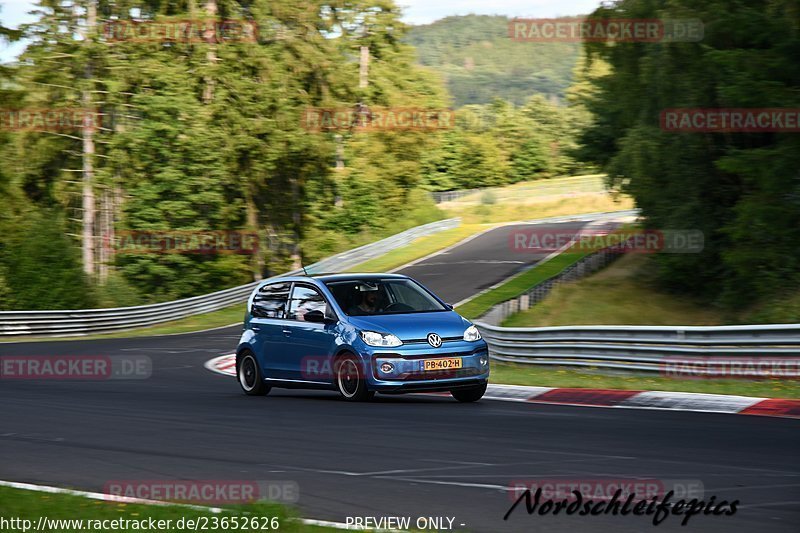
point(319, 317)
point(314, 316)
point(449, 306)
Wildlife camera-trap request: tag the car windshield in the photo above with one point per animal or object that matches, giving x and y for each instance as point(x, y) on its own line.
point(368, 297)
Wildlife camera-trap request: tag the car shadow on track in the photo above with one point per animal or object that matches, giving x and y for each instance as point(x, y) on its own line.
point(332, 396)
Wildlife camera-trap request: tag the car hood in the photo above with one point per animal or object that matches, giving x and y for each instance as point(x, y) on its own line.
point(414, 326)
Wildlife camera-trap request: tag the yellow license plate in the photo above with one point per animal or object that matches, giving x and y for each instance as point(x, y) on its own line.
point(441, 364)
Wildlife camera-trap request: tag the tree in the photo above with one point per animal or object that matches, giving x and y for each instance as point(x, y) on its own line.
point(41, 267)
point(739, 189)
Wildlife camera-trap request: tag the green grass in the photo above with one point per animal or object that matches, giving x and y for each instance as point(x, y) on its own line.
point(623, 294)
point(419, 248)
point(536, 207)
point(30, 505)
point(518, 202)
point(517, 285)
point(783, 309)
point(528, 190)
point(552, 376)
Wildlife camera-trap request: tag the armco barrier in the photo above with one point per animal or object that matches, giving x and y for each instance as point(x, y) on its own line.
point(87, 321)
point(639, 348)
point(577, 270)
point(580, 268)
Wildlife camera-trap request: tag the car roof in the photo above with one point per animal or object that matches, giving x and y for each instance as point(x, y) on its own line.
point(325, 278)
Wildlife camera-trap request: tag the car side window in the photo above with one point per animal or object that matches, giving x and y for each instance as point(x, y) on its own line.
point(271, 300)
point(304, 300)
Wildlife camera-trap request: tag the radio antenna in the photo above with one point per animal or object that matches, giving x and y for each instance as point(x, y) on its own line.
point(304, 269)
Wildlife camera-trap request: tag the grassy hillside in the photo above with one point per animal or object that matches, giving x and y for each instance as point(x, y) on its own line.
point(624, 293)
point(480, 62)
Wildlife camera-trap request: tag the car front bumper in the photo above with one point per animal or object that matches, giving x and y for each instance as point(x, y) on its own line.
point(407, 373)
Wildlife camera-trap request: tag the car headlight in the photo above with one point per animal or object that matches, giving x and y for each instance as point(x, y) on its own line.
point(386, 340)
point(472, 334)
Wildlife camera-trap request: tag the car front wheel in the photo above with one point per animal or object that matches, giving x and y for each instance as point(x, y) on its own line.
point(350, 380)
point(471, 394)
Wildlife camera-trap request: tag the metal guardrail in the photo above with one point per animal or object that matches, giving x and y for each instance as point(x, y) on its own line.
point(448, 196)
point(87, 321)
point(537, 293)
point(705, 350)
point(582, 267)
point(356, 256)
point(645, 348)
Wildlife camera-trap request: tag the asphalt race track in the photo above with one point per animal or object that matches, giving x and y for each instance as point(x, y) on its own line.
point(397, 456)
point(478, 264)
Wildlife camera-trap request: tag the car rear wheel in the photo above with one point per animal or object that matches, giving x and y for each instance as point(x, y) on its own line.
point(471, 394)
point(350, 380)
point(249, 376)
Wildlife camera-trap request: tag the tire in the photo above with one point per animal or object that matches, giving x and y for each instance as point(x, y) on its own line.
point(249, 376)
point(472, 394)
point(349, 380)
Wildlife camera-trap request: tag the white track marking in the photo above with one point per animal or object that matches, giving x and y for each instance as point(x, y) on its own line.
point(125, 499)
point(446, 249)
point(99, 495)
point(589, 223)
point(587, 217)
point(549, 257)
point(450, 483)
point(649, 400)
point(711, 403)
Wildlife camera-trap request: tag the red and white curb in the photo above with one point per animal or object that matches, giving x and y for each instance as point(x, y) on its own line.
point(224, 364)
point(626, 399)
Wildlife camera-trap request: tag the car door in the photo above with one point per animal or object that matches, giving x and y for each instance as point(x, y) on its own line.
point(268, 316)
point(311, 344)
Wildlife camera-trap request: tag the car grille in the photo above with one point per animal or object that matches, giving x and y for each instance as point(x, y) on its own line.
point(417, 356)
point(442, 374)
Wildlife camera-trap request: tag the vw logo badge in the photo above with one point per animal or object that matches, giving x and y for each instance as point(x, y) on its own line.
point(434, 340)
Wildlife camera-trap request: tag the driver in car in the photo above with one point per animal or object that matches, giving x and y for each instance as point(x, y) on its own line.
point(369, 304)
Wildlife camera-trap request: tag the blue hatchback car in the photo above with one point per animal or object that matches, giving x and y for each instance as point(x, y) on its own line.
point(358, 334)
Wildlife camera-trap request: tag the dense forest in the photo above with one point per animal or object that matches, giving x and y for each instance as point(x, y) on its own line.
point(208, 134)
point(741, 189)
point(196, 135)
point(480, 63)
